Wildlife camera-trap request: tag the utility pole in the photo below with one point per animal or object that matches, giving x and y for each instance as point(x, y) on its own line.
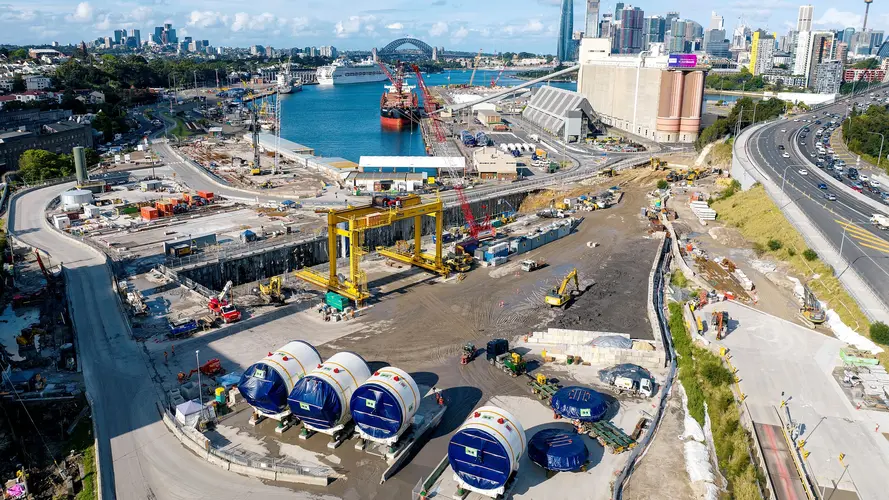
point(217, 78)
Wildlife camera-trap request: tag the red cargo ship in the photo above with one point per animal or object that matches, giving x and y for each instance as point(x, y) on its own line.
point(399, 105)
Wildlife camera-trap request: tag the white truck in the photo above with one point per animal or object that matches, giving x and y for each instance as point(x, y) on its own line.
point(644, 387)
point(880, 220)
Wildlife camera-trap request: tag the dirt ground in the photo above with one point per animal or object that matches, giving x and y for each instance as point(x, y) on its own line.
point(662, 469)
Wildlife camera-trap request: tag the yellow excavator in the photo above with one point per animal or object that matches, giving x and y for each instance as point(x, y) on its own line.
point(271, 293)
point(560, 297)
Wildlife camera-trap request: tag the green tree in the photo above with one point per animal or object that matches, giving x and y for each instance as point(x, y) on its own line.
point(37, 165)
point(870, 63)
point(18, 83)
point(18, 55)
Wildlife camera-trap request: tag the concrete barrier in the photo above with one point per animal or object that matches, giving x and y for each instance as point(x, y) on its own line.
point(561, 343)
point(270, 469)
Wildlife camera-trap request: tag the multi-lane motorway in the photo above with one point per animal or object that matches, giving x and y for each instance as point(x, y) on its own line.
point(844, 221)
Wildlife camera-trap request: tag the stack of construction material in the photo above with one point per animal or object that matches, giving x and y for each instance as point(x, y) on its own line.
point(702, 211)
point(743, 280)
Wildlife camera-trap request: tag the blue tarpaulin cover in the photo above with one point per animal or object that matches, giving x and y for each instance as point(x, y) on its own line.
point(376, 411)
point(629, 370)
point(579, 403)
point(558, 450)
point(479, 459)
point(263, 388)
point(315, 402)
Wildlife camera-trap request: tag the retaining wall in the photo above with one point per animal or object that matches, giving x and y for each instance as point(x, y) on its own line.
point(562, 343)
point(260, 264)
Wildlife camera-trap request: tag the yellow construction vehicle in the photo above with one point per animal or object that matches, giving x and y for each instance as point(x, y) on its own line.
point(658, 164)
point(811, 309)
point(560, 297)
point(255, 170)
point(459, 262)
point(272, 293)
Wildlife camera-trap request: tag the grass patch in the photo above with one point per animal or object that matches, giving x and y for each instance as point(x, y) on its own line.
point(82, 443)
point(721, 154)
point(679, 279)
point(706, 379)
point(760, 221)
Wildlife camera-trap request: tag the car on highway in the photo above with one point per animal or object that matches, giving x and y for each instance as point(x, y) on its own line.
point(864, 177)
point(822, 186)
point(830, 197)
point(780, 146)
point(783, 130)
point(857, 187)
point(874, 183)
point(786, 155)
point(803, 171)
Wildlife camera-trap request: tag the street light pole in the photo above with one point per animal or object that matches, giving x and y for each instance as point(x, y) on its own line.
point(200, 385)
point(882, 138)
point(754, 111)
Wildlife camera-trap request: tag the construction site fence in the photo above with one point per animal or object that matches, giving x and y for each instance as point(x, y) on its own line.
point(246, 463)
point(239, 250)
point(657, 299)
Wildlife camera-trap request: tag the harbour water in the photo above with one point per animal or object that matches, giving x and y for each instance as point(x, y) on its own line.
point(344, 120)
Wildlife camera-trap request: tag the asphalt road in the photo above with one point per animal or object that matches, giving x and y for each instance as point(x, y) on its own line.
point(138, 456)
point(844, 222)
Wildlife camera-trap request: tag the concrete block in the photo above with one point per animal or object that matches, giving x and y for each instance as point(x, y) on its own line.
point(221, 462)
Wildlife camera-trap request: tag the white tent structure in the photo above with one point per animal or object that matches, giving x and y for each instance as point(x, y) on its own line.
point(188, 413)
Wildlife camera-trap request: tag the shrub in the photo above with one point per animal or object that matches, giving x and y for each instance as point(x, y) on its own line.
point(879, 332)
point(774, 245)
point(759, 249)
point(663, 184)
point(714, 372)
point(679, 279)
point(810, 254)
point(791, 252)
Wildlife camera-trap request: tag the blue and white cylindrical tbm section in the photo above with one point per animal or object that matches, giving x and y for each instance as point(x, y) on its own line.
point(384, 405)
point(486, 449)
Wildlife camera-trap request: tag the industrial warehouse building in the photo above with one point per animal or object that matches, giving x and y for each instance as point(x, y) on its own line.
point(563, 113)
point(379, 182)
point(645, 95)
point(432, 166)
point(492, 163)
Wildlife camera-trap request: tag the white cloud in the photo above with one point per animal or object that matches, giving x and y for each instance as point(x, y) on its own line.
point(245, 22)
point(83, 13)
point(438, 29)
point(395, 26)
point(9, 13)
point(105, 24)
point(838, 18)
point(141, 14)
point(460, 34)
point(206, 18)
point(534, 26)
point(348, 27)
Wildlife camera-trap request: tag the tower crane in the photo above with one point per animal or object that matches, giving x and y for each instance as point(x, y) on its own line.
point(429, 105)
point(478, 59)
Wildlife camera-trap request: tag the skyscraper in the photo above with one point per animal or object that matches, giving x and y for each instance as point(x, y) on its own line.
point(136, 36)
point(619, 6)
point(653, 30)
point(119, 35)
point(762, 52)
point(606, 25)
point(566, 27)
point(628, 39)
point(804, 21)
point(821, 45)
point(677, 36)
point(592, 19)
point(716, 22)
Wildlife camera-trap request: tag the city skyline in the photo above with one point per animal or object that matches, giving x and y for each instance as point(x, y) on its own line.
point(346, 24)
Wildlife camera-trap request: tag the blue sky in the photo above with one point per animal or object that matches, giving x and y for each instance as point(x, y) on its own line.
point(492, 25)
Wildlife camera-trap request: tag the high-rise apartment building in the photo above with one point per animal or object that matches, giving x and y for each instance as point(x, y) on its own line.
point(606, 25)
point(566, 28)
point(653, 30)
point(804, 20)
point(820, 46)
point(762, 52)
point(328, 51)
point(591, 29)
point(802, 52)
point(828, 77)
point(715, 44)
point(842, 51)
point(677, 36)
point(619, 6)
point(628, 37)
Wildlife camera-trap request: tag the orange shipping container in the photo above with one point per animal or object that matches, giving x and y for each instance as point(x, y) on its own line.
point(149, 213)
point(206, 195)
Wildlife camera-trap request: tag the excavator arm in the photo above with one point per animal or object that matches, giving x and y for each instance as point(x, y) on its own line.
point(567, 281)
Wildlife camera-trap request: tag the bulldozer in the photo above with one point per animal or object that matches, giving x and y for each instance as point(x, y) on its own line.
point(272, 293)
point(560, 297)
point(459, 262)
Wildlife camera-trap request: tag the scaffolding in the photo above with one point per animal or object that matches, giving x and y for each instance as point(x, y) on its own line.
point(351, 222)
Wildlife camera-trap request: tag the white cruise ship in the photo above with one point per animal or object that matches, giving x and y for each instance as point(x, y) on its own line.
point(343, 71)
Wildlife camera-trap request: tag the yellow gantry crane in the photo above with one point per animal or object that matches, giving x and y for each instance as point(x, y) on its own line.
point(351, 222)
point(559, 297)
point(477, 60)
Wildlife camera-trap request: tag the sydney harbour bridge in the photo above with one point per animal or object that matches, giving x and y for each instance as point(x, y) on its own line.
point(412, 49)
